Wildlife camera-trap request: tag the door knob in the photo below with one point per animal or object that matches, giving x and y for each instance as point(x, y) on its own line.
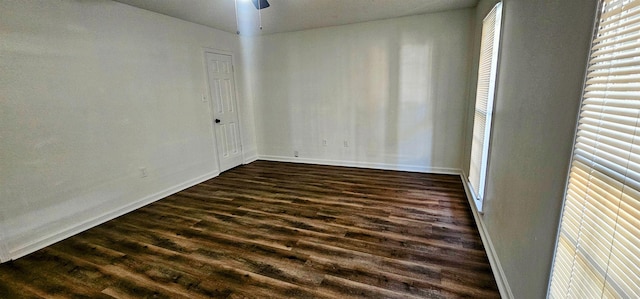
point(217, 121)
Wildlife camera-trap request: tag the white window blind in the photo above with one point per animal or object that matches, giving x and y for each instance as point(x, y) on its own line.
point(485, 91)
point(598, 248)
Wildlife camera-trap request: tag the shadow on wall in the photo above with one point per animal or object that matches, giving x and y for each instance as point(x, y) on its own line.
point(369, 94)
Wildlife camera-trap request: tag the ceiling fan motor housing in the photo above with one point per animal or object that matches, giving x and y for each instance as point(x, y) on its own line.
point(260, 4)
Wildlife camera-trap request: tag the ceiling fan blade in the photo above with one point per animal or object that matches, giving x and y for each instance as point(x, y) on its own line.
point(260, 4)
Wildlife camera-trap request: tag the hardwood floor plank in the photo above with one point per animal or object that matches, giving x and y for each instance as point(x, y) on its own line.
point(275, 230)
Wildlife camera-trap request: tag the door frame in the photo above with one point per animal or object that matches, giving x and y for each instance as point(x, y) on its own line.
point(207, 50)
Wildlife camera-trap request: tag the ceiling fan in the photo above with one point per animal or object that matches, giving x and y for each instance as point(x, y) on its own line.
point(260, 4)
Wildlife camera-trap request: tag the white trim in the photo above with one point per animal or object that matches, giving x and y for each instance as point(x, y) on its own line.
point(251, 155)
point(4, 250)
point(475, 198)
point(491, 94)
point(491, 98)
point(210, 100)
point(385, 166)
point(66, 233)
point(496, 266)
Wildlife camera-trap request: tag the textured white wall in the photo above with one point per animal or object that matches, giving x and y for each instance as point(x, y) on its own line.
point(93, 90)
point(90, 92)
point(541, 69)
point(394, 90)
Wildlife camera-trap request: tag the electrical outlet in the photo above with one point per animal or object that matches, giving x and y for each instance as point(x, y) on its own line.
point(346, 143)
point(143, 172)
point(295, 153)
point(324, 142)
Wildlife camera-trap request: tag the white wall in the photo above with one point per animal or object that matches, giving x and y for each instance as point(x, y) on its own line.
point(543, 59)
point(394, 90)
point(90, 92)
point(93, 90)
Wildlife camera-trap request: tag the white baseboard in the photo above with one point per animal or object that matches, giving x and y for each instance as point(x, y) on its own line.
point(249, 155)
point(4, 251)
point(250, 159)
point(385, 166)
point(66, 233)
point(496, 266)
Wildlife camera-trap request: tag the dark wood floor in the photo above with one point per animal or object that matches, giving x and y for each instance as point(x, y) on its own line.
point(279, 230)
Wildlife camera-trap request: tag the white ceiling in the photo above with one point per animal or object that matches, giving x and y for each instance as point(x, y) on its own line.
point(292, 15)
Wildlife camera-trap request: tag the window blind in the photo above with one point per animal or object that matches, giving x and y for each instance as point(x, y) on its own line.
point(485, 90)
point(598, 249)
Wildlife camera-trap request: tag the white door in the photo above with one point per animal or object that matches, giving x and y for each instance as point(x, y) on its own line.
point(225, 113)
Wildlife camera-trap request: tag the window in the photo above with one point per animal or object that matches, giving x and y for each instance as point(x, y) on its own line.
point(598, 247)
point(485, 91)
